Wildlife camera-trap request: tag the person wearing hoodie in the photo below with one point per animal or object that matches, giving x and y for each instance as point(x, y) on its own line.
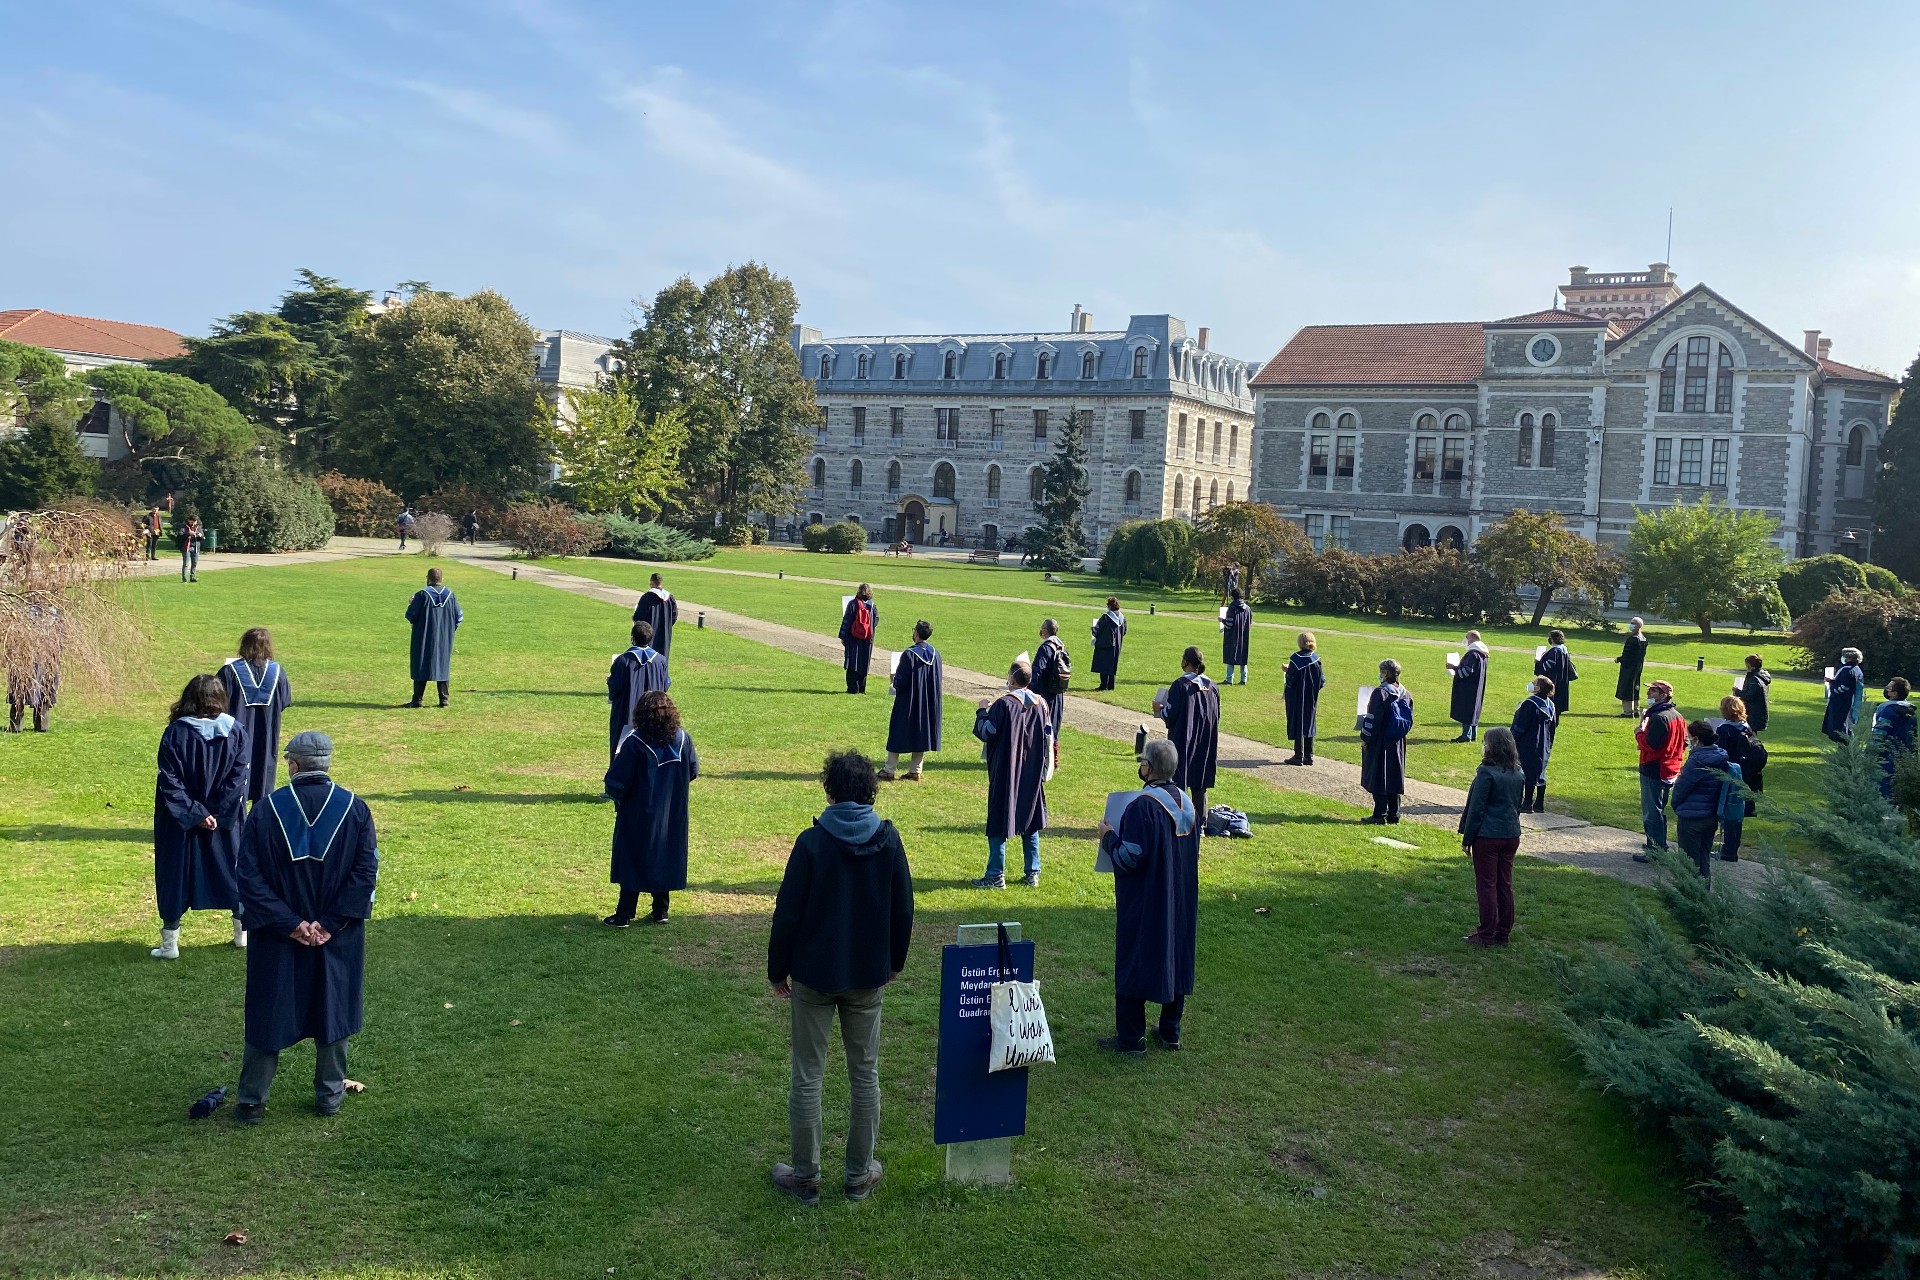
point(1470, 688)
point(1696, 795)
point(841, 924)
point(1301, 692)
point(1632, 661)
point(1893, 730)
point(1734, 736)
point(199, 799)
point(648, 781)
point(1534, 722)
point(1752, 689)
point(1844, 694)
point(1556, 664)
point(1662, 742)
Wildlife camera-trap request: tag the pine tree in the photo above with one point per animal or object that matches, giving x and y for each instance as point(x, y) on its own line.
point(1063, 497)
point(1896, 492)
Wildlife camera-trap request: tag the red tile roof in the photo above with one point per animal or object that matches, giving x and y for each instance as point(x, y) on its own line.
point(1853, 373)
point(115, 339)
point(1544, 319)
point(1373, 355)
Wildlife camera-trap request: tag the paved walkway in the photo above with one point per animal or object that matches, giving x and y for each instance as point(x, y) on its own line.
point(1552, 837)
point(168, 565)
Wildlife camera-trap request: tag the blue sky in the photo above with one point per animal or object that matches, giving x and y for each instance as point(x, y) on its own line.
point(929, 168)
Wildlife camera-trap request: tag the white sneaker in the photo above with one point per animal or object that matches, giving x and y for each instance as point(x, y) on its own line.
point(239, 934)
point(169, 948)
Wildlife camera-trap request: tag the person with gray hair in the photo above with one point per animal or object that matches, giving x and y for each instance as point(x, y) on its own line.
point(1155, 854)
point(1383, 744)
point(1632, 661)
point(307, 868)
point(1844, 694)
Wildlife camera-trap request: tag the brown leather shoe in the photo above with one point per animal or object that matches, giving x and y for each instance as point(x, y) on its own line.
point(861, 1188)
point(885, 775)
point(805, 1190)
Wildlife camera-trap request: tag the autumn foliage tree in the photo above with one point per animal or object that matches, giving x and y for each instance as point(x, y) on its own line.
point(1251, 537)
point(1536, 549)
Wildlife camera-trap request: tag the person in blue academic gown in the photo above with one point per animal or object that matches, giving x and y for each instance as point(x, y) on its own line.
point(1236, 635)
point(648, 782)
point(1109, 634)
point(1844, 695)
point(1893, 731)
point(199, 800)
point(1301, 691)
point(435, 616)
point(1383, 745)
point(859, 624)
point(1556, 664)
point(1469, 688)
point(1192, 713)
point(1017, 739)
point(257, 692)
point(1534, 723)
point(1156, 900)
point(913, 727)
point(659, 610)
point(307, 871)
point(640, 670)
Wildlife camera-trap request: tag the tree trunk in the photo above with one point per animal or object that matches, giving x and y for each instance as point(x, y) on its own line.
point(1705, 624)
point(1540, 603)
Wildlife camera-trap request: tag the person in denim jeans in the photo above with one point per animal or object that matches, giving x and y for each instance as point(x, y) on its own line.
point(1662, 739)
point(841, 925)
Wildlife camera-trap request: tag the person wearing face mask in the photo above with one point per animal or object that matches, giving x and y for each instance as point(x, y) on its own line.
point(1534, 723)
point(1632, 661)
point(1155, 854)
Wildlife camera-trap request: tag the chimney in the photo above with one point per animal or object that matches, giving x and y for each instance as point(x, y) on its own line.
point(1086, 322)
point(1812, 344)
point(1203, 337)
point(1826, 347)
point(1073, 325)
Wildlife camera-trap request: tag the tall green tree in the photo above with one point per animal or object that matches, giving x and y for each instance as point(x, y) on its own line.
point(43, 464)
point(442, 391)
point(1896, 493)
point(35, 387)
point(1695, 563)
point(616, 461)
point(1251, 537)
point(1064, 487)
point(174, 425)
point(1535, 548)
point(720, 354)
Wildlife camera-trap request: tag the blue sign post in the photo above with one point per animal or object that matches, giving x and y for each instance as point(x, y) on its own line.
point(975, 1111)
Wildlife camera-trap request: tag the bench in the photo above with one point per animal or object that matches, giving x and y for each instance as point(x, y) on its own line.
point(985, 555)
point(901, 548)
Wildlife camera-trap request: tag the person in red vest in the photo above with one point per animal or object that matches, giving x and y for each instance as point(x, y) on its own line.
point(1662, 737)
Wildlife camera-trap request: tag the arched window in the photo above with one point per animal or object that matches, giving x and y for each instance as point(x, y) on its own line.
point(1036, 485)
point(1524, 456)
point(943, 481)
point(1233, 447)
point(1086, 364)
point(1857, 447)
point(1669, 377)
point(1348, 422)
point(1543, 456)
point(893, 477)
point(1229, 493)
point(1694, 398)
point(1044, 369)
point(1179, 492)
point(900, 364)
point(1451, 538)
point(815, 517)
point(819, 473)
point(860, 370)
point(1139, 362)
point(993, 484)
point(1133, 486)
point(1723, 383)
point(1321, 422)
point(1426, 422)
point(1213, 494)
point(949, 364)
point(855, 473)
point(826, 366)
point(1193, 493)
point(999, 364)
point(1415, 537)
point(852, 517)
point(1456, 422)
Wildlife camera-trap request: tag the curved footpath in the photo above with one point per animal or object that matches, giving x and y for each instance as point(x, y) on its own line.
point(1550, 836)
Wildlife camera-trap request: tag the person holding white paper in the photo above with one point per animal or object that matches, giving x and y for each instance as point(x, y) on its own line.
point(1844, 693)
point(1470, 688)
point(1155, 853)
point(913, 727)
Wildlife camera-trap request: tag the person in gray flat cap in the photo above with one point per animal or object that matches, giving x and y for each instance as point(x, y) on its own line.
point(307, 869)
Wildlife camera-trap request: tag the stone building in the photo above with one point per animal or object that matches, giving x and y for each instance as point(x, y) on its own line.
point(926, 435)
point(84, 344)
point(568, 360)
point(1631, 394)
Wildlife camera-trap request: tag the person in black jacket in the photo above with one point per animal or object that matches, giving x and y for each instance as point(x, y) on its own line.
point(1752, 690)
point(841, 925)
point(1490, 835)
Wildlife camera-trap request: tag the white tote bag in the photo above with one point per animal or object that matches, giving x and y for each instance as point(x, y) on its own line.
point(1021, 1036)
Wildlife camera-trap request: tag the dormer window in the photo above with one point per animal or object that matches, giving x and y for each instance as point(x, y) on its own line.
point(861, 365)
point(826, 366)
point(1139, 362)
point(1086, 364)
point(899, 364)
point(999, 364)
point(949, 364)
point(1044, 369)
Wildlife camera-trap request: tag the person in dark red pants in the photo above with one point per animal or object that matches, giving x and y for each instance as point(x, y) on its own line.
point(1490, 834)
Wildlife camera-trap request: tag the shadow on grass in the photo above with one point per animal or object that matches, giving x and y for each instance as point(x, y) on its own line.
point(432, 795)
point(130, 835)
point(762, 775)
point(344, 705)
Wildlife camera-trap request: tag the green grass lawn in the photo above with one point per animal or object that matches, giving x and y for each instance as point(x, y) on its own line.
point(1360, 1094)
point(1594, 769)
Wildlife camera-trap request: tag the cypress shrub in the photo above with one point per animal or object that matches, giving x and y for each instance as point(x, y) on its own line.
point(632, 539)
point(1805, 583)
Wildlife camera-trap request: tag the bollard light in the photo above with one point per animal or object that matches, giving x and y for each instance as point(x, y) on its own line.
point(1140, 742)
point(783, 575)
point(700, 624)
point(1699, 664)
point(1150, 610)
point(516, 574)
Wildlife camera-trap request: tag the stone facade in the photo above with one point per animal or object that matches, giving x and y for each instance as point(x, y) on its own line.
point(1387, 436)
point(922, 436)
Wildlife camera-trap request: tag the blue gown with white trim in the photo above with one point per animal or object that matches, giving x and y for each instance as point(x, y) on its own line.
point(255, 697)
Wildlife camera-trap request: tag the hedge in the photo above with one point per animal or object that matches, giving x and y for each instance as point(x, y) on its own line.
point(1805, 583)
point(537, 529)
point(1886, 628)
point(361, 508)
point(1157, 552)
point(843, 538)
point(632, 539)
point(255, 506)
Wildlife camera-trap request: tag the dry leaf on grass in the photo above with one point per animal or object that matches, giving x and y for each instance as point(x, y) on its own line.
point(236, 1237)
point(354, 1086)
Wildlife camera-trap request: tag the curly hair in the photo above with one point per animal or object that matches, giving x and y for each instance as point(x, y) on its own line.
point(204, 696)
point(849, 776)
point(256, 644)
point(655, 718)
point(1499, 750)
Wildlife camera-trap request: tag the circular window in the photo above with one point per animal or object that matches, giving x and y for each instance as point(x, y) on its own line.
point(1543, 350)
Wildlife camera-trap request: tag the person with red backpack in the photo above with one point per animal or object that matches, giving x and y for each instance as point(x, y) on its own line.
point(1662, 738)
point(858, 624)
